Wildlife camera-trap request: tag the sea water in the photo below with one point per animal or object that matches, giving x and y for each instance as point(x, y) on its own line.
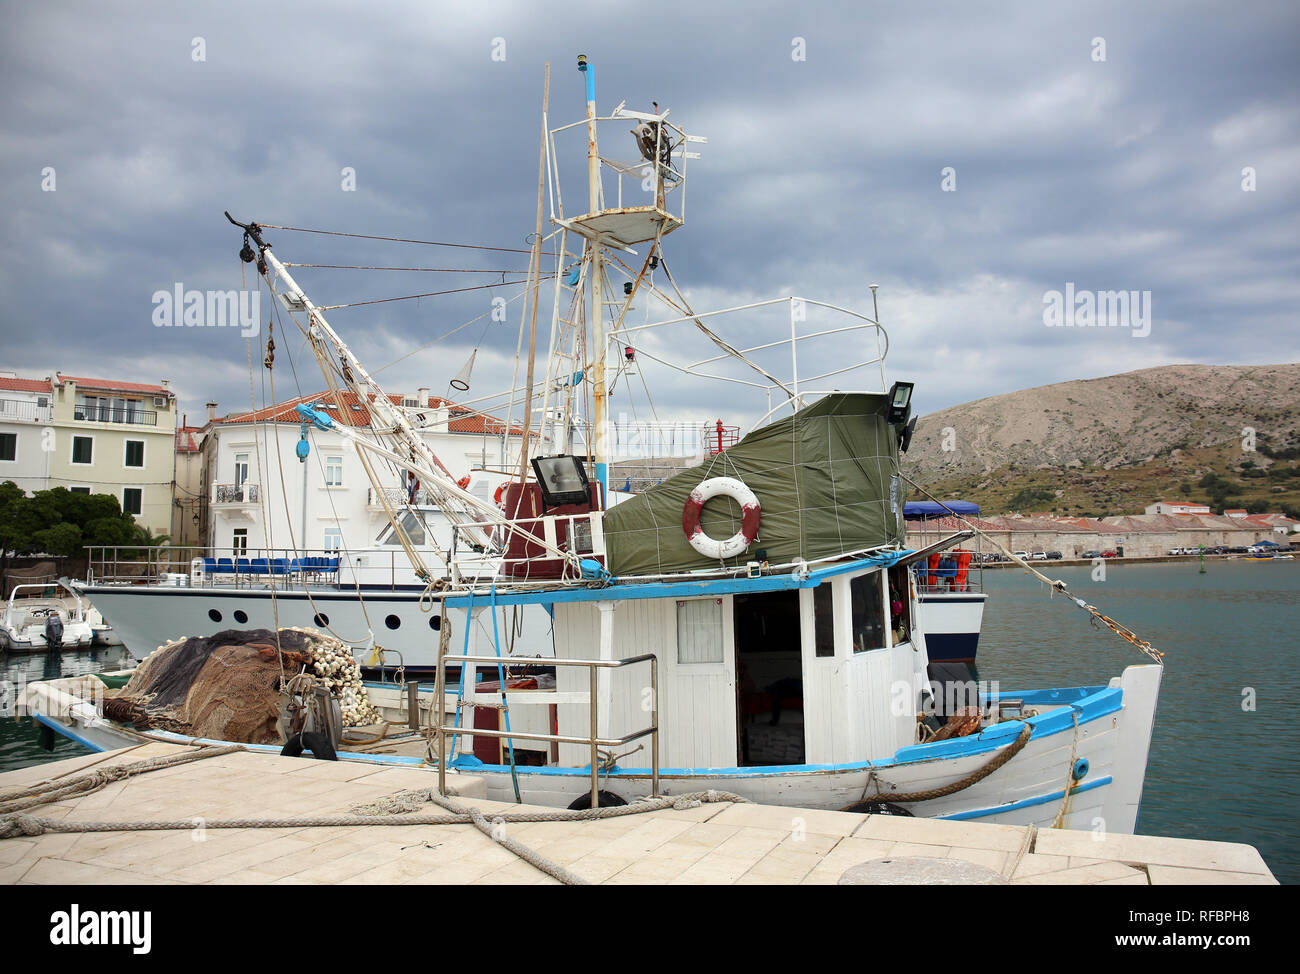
point(1223, 762)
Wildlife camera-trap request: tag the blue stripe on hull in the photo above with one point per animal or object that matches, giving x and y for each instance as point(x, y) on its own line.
point(1055, 796)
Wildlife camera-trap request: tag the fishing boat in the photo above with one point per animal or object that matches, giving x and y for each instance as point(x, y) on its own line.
point(39, 622)
point(752, 624)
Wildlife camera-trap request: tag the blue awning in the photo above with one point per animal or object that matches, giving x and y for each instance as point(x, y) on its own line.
point(916, 509)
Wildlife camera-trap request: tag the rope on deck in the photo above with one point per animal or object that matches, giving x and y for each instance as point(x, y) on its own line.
point(389, 811)
point(47, 792)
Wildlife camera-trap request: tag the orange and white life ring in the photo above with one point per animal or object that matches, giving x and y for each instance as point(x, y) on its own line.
point(463, 483)
point(498, 498)
point(751, 514)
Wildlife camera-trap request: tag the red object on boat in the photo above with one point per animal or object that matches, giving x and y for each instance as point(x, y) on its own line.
point(523, 503)
point(963, 571)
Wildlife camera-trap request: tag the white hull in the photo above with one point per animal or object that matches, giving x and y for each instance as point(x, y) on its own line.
point(1036, 786)
point(31, 639)
point(1031, 788)
point(145, 618)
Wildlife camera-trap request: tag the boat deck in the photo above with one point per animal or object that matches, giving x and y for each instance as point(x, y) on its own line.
point(707, 844)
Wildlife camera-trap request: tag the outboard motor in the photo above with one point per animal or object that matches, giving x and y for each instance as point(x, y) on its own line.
point(54, 631)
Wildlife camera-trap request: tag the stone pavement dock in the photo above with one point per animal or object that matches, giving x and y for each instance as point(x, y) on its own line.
point(707, 844)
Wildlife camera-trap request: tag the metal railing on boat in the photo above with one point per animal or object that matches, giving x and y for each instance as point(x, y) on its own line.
point(593, 740)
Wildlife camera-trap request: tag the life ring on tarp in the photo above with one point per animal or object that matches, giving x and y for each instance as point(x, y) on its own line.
point(498, 497)
point(738, 542)
point(463, 483)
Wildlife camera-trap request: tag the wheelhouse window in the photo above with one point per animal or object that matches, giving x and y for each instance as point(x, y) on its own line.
point(83, 449)
point(899, 612)
point(333, 471)
point(699, 631)
point(823, 620)
point(868, 613)
point(132, 499)
point(134, 453)
point(8, 446)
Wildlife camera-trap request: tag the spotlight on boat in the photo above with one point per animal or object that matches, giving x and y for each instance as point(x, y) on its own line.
point(563, 480)
point(900, 401)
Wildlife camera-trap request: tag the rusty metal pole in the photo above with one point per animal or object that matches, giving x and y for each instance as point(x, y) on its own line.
point(599, 419)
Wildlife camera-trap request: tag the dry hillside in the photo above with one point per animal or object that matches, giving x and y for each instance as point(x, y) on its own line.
point(1115, 444)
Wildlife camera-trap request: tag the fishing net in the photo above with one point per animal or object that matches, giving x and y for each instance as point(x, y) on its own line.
point(225, 686)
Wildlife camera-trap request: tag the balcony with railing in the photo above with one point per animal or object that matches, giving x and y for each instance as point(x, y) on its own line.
point(115, 414)
point(244, 493)
point(24, 411)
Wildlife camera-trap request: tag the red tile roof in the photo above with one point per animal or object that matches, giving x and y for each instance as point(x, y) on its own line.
point(462, 418)
point(186, 441)
point(112, 385)
point(26, 385)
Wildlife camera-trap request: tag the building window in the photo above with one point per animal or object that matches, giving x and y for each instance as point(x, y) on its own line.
point(824, 620)
point(333, 471)
point(333, 539)
point(239, 541)
point(79, 490)
point(699, 631)
point(8, 446)
point(83, 449)
point(132, 498)
point(868, 613)
point(134, 453)
point(241, 468)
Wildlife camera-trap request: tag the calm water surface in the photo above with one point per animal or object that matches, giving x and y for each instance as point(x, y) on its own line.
point(1217, 770)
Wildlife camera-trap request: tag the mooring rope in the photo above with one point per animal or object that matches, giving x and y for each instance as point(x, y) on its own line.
point(85, 784)
point(979, 775)
point(389, 810)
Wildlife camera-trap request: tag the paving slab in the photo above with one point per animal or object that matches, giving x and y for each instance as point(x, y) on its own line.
point(716, 843)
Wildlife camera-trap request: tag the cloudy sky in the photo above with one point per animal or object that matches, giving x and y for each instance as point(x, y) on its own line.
point(967, 158)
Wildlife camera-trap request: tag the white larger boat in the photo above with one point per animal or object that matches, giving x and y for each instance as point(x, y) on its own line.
point(752, 624)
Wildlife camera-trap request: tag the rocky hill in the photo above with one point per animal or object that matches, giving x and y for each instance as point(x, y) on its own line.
point(1116, 444)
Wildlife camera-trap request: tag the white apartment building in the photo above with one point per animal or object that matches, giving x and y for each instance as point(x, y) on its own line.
point(25, 414)
point(263, 501)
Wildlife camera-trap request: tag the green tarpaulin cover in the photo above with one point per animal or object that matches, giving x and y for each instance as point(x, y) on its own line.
point(826, 479)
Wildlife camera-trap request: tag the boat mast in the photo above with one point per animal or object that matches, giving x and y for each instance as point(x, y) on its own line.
point(596, 439)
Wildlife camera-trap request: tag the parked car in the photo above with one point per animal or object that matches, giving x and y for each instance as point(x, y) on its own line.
point(1110, 554)
point(1054, 556)
point(1091, 554)
point(1023, 555)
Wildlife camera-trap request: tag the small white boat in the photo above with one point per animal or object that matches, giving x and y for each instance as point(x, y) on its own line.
point(38, 623)
point(102, 632)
